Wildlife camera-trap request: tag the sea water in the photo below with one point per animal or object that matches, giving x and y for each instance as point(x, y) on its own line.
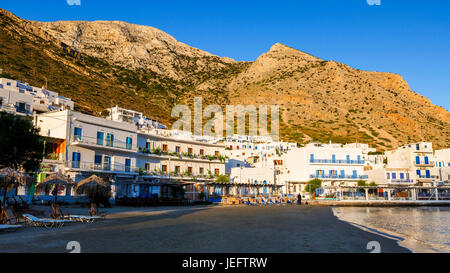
point(420, 229)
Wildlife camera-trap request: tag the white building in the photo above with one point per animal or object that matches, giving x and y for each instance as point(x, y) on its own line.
point(412, 164)
point(442, 163)
point(141, 161)
point(253, 182)
point(23, 99)
point(334, 164)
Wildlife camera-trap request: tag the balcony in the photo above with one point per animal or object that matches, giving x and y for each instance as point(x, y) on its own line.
point(92, 142)
point(401, 181)
point(93, 167)
point(426, 178)
point(338, 162)
point(347, 177)
point(424, 164)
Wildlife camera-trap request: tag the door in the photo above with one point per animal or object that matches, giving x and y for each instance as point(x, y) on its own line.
point(76, 158)
point(107, 163)
point(127, 165)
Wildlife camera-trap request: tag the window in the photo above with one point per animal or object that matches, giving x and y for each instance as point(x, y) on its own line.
point(76, 158)
point(333, 158)
point(417, 159)
point(355, 174)
point(426, 160)
point(177, 169)
point(217, 153)
point(388, 175)
point(147, 167)
point(164, 168)
point(417, 147)
point(347, 158)
point(311, 158)
point(129, 143)
point(165, 148)
point(77, 133)
point(427, 174)
point(418, 172)
point(100, 138)
point(147, 145)
point(216, 171)
point(109, 140)
point(190, 170)
point(201, 170)
point(394, 175)
point(359, 159)
point(190, 151)
point(202, 152)
point(342, 173)
point(402, 176)
point(177, 149)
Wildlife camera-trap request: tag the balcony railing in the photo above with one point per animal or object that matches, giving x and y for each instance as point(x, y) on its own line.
point(107, 143)
point(105, 167)
point(401, 181)
point(339, 176)
point(330, 161)
point(422, 163)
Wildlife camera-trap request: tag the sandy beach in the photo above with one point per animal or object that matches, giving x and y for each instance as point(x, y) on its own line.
point(203, 229)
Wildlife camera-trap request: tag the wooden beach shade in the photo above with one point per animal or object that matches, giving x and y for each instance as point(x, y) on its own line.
point(9, 178)
point(94, 187)
point(52, 183)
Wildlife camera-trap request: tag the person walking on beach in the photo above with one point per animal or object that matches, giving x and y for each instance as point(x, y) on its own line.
point(299, 199)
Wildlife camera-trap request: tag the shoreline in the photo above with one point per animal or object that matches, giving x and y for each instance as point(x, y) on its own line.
point(204, 229)
point(403, 239)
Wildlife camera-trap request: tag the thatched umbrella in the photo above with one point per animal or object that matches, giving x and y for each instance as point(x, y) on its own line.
point(8, 179)
point(94, 187)
point(52, 183)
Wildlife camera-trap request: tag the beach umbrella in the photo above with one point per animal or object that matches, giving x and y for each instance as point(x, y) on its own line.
point(9, 178)
point(52, 183)
point(94, 187)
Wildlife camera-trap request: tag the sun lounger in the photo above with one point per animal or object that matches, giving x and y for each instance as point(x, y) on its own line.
point(9, 227)
point(83, 218)
point(42, 222)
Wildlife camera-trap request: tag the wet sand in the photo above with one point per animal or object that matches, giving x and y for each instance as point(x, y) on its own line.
point(209, 229)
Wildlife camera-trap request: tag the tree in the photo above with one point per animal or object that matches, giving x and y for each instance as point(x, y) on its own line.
point(313, 184)
point(361, 183)
point(222, 179)
point(373, 184)
point(21, 147)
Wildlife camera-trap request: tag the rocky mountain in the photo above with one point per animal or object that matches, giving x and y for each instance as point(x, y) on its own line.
point(104, 63)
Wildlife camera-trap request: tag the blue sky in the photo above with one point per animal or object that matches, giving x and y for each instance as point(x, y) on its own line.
point(408, 37)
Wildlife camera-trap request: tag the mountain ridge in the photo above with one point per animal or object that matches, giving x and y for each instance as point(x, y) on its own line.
point(150, 71)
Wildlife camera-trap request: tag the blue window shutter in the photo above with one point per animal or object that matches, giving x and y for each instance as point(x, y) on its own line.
point(418, 172)
point(426, 160)
point(417, 159)
point(427, 173)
